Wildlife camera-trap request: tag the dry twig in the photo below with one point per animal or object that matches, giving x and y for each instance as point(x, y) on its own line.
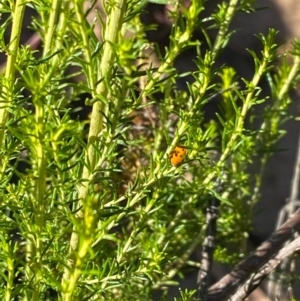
point(227, 286)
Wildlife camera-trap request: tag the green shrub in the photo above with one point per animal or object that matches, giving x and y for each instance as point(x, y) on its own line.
point(92, 208)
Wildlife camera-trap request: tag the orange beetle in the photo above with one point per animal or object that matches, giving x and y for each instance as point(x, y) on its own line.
point(177, 155)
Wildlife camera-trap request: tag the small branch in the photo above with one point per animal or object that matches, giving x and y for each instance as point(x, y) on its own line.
point(8, 81)
point(291, 208)
point(208, 249)
point(72, 270)
point(52, 26)
point(212, 213)
point(180, 262)
point(228, 284)
point(275, 286)
point(34, 41)
point(255, 280)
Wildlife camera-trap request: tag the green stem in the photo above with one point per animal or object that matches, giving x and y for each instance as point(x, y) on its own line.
point(53, 20)
point(39, 193)
point(87, 46)
point(113, 25)
point(240, 122)
point(6, 97)
point(292, 75)
point(199, 90)
point(219, 42)
point(10, 272)
point(55, 33)
point(180, 41)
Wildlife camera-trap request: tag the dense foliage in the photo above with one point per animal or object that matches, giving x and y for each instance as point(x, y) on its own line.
point(92, 208)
